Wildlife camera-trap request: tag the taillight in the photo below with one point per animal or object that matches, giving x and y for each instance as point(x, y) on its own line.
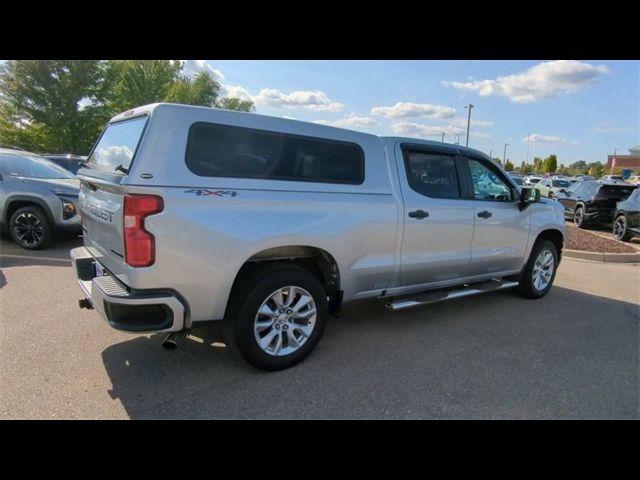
point(139, 245)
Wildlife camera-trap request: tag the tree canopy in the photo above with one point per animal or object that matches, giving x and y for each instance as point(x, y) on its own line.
point(61, 105)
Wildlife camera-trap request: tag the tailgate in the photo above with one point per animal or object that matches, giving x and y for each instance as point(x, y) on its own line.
point(102, 224)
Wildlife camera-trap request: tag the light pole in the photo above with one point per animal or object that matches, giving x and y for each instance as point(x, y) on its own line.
point(468, 122)
point(504, 155)
point(528, 138)
point(442, 137)
point(613, 160)
point(490, 152)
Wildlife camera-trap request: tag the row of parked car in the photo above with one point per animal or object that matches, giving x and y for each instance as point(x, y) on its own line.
point(610, 200)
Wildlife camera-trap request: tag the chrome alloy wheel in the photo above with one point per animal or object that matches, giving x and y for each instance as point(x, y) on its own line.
point(543, 270)
point(619, 227)
point(285, 321)
point(28, 229)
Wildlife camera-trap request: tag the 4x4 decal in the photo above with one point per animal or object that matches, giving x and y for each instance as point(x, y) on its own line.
point(203, 192)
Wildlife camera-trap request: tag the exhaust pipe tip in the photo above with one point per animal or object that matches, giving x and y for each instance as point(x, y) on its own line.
point(171, 341)
point(85, 303)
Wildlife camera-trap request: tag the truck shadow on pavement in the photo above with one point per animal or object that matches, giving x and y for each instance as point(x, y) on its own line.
point(569, 355)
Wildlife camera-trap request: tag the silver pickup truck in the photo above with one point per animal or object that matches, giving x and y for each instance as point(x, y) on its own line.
point(193, 216)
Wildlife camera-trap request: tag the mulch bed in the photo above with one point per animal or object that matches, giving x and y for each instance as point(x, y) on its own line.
point(586, 241)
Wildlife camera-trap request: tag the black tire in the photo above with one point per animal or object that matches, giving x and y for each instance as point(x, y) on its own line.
point(254, 288)
point(527, 288)
point(620, 230)
point(578, 217)
point(38, 230)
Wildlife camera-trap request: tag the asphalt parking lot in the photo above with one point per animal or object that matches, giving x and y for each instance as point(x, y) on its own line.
point(573, 354)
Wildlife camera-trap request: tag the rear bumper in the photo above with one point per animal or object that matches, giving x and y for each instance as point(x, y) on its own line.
point(123, 309)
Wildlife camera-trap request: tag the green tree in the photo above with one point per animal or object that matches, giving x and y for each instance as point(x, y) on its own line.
point(596, 169)
point(523, 168)
point(508, 166)
point(51, 105)
point(203, 90)
point(138, 82)
point(578, 168)
point(234, 103)
point(550, 164)
point(562, 170)
point(537, 165)
point(61, 105)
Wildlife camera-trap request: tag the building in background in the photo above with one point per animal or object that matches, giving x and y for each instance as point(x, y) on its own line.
point(626, 162)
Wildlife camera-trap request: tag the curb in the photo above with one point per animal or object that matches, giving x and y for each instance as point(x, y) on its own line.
point(602, 257)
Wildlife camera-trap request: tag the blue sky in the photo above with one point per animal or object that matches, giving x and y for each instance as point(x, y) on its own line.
point(579, 110)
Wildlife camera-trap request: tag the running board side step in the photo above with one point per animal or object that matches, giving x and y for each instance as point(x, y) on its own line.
point(442, 295)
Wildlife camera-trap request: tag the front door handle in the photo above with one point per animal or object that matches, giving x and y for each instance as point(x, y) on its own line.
point(485, 214)
point(420, 214)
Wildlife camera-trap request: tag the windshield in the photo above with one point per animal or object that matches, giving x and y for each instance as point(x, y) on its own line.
point(518, 180)
point(561, 183)
point(32, 166)
point(117, 146)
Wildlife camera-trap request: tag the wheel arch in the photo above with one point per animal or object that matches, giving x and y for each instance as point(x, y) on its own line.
point(316, 260)
point(555, 236)
point(18, 201)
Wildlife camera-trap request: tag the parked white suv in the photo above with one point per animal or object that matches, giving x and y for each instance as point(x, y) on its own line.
point(192, 215)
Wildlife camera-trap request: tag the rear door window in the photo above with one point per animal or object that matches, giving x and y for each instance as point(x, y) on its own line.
point(117, 146)
point(432, 175)
point(616, 191)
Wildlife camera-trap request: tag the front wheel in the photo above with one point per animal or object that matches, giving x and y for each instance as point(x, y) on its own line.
point(620, 230)
point(29, 228)
point(280, 314)
point(578, 218)
point(538, 275)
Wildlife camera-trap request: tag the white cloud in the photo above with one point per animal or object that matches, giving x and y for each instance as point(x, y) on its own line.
point(480, 134)
point(235, 91)
point(610, 127)
point(536, 138)
point(419, 130)
point(315, 100)
point(352, 120)
point(462, 122)
point(545, 80)
point(403, 110)
point(191, 67)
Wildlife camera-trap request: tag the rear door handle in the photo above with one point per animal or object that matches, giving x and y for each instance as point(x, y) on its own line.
point(485, 214)
point(420, 214)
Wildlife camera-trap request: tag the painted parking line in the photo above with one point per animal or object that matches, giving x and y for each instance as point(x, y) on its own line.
point(26, 257)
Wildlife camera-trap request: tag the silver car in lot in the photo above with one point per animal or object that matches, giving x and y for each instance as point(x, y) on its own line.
point(37, 198)
point(197, 216)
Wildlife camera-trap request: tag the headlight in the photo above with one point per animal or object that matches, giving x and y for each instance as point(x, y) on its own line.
point(68, 209)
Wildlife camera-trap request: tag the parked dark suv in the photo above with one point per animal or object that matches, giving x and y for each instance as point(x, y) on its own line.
point(627, 218)
point(68, 161)
point(593, 201)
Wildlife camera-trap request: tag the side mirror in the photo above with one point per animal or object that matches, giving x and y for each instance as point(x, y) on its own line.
point(528, 196)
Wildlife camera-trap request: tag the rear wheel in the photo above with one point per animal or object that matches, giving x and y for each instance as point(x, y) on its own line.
point(578, 218)
point(620, 230)
point(538, 275)
point(279, 313)
point(29, 227)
